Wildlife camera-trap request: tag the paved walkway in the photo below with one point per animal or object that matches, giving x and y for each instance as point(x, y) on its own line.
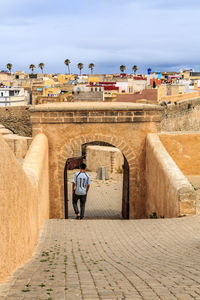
point(112, 259)
point(104, 197)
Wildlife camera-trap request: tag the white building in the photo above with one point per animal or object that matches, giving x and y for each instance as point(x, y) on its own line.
point(11, 96)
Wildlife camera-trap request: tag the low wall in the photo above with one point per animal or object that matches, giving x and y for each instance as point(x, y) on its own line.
point(21, 195)
point(17, 119)
point(168, 192)
point(184, 116)
point(36, 166)
point(18, 144)
point(181, 97)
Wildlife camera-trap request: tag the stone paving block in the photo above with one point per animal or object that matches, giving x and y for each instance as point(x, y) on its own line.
point(157, 259)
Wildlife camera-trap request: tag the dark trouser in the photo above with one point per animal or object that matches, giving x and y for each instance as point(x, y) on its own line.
point(82, 204)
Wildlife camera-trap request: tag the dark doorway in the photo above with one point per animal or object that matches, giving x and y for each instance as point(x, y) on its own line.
point(71, 164)
point(125, 192)
point(74, 163)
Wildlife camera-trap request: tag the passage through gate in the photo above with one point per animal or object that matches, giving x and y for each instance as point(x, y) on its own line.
point(107, 199)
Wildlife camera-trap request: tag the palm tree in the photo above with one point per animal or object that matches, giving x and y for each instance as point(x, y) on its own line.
point(41, 66)
point(134, 68)
point(9, 67)
point(80, 67)
point(67, 62)
point(91, 67)
point(32, 67)
point(122, 68)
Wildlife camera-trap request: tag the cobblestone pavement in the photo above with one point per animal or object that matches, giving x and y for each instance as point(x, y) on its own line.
point(104, 198)
point(112, 259)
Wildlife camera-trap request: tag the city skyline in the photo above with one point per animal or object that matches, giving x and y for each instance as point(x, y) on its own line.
point(163, 36)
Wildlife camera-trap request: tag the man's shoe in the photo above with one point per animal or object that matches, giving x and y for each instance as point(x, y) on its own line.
point(77, 217)
point(81, 218)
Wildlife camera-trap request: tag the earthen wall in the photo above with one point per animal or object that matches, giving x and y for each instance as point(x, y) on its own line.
point(168, 192)
point(183, 116)
point(23, 205)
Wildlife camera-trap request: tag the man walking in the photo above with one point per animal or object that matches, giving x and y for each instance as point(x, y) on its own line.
point(80, 187)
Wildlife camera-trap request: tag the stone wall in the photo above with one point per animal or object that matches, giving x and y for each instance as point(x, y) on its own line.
point(168, 192)
point(109, 157)
point(18, 144)
point(17, 119)
point(88, 96)
point(22, 209)
point(181, 97)
point(183, 116)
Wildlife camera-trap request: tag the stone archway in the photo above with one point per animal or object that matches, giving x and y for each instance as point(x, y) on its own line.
point(71, 147)
point(69, 125)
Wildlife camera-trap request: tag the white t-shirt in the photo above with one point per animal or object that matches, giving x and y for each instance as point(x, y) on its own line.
point(81, 180)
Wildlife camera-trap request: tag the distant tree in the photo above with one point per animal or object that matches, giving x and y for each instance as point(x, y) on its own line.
point(134, 68)
point(41, 66)
point(32, 67)
point(67, 62)
point(80, 67)
point(91, 67)
point(122, 68)
point(9, 67)
point(154, 84)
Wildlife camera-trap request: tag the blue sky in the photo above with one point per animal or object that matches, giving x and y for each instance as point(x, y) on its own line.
point(162, 34)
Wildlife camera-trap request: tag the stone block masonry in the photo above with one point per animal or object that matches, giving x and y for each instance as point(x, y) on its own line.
point(70, 125)
point(102, 113)
point(183, 116)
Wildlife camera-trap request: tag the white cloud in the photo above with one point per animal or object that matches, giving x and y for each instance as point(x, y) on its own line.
point(107, 32)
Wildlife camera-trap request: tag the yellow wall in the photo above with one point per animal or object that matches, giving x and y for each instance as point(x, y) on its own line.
point(62, 78)
point(7, 83)
point(186, 75)
point(173, 195)
point(93, 79)
point(49, 82)
point(23, 203)
point(4, 77)
point(50, 90)
point(175, 90)
point(181, 97)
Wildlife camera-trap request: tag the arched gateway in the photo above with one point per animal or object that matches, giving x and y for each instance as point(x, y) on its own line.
point(70, 125)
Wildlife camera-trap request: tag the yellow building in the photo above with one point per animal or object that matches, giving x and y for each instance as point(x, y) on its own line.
point(51, 91)
point(165, 90)
point(93, 79)
point(62, 78)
